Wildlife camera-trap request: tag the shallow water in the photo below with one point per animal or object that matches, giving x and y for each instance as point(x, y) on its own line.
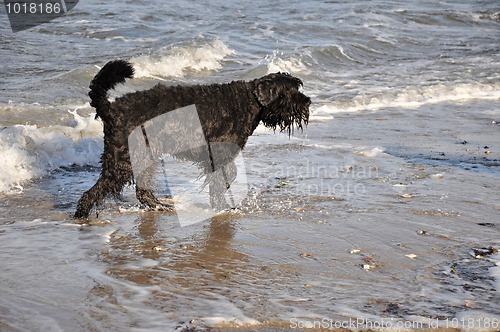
point(370, 215)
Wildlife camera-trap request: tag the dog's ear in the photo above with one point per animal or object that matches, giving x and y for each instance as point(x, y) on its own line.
point(266, 92)
point(270, 87)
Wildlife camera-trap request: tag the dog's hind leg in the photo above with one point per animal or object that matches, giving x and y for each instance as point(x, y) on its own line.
point(115, 174)
point(92, 197)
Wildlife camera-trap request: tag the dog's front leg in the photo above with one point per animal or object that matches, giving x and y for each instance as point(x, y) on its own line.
point(219, 183)
point(144, 191)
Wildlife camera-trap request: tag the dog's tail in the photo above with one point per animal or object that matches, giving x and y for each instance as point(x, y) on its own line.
point(113, 73)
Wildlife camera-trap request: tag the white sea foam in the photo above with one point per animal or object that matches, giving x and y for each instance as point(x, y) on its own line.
point(29, 152)
point(414, 97)
point(176, 61)
point(277, 63)
point(371, 152)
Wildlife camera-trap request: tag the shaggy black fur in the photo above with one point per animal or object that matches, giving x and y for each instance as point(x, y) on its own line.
point(229, 113)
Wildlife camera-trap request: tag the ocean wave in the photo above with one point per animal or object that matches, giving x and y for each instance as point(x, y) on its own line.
point(178, 60)
point(332, 54)
point(30, 152)
point(414, 97)
point(277, 62)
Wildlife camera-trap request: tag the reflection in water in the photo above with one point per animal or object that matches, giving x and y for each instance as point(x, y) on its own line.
point(152, 272)
point(148, 232)
point(216, 254)
point(147, 258)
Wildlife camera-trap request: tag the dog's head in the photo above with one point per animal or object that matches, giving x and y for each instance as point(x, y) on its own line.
point(282, 105)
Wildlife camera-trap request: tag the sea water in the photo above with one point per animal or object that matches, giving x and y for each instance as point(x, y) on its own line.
point(377, 213)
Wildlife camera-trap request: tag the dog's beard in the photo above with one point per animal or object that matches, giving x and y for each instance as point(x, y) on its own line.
point(287, 113)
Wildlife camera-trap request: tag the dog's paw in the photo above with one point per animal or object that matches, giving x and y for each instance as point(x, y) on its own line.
point(220, 206)
point(156, 208)
point(163, 207)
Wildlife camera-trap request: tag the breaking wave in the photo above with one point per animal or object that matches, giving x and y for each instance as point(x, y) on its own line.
point(414, 97)
point(30, 152)
point(176, 61)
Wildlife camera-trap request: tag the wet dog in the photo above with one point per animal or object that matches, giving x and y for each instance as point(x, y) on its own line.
point(227, 113)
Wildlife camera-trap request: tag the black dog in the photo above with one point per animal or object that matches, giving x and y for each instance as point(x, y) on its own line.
point(228, 113)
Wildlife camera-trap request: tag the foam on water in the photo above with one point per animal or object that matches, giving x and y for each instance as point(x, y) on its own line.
point(413, 97)
point(178, 60)
point(276, 62)
point(29, 152)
